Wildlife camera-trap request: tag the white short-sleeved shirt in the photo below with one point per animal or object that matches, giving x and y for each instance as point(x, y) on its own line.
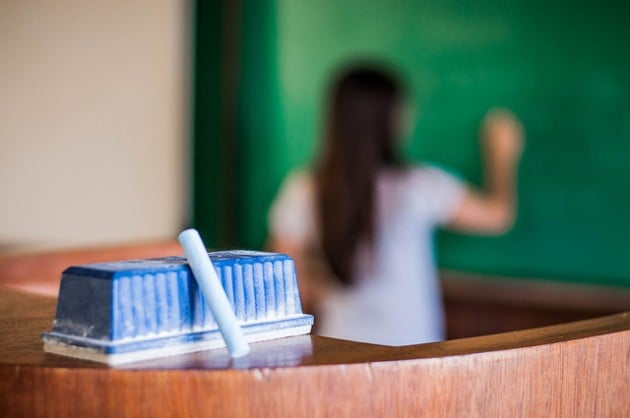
point(396, 299)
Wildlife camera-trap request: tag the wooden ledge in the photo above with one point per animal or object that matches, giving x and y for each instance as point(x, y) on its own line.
point(573, 369)
point(576, 369)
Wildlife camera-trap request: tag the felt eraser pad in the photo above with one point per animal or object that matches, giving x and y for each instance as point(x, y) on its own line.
point(142, 309)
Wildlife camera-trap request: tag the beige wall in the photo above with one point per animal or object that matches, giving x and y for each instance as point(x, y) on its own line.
point(93, 121)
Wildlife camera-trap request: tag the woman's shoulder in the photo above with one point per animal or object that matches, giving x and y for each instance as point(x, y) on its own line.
point(435, 191)
point(291, 213)
point(300, 175)
point(298, 180)
point(429, 174)
point(297, 186)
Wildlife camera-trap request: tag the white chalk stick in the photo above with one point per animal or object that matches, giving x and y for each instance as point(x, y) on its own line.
point(213, 292)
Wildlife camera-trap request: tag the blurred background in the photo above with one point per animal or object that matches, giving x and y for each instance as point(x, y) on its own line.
point(94, 125)
point(127, 121)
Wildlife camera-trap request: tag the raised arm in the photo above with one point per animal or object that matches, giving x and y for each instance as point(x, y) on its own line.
point(492, 210)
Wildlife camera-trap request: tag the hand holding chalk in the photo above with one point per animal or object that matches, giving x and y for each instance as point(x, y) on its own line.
point(213, 292)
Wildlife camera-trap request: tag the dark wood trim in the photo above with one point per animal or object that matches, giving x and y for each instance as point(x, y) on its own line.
point(481, 305)
point(534, 292)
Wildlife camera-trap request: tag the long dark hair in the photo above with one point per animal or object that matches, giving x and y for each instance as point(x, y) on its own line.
point(360, 139)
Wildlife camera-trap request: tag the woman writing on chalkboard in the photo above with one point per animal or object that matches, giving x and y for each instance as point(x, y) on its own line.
point(359, 224)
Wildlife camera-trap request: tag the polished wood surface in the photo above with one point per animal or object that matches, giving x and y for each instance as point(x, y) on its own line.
point(576, 369)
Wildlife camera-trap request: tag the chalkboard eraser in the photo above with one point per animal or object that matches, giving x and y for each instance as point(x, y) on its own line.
point(125, 311)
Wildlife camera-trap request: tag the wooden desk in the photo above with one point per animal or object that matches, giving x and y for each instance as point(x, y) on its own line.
point(576, 369)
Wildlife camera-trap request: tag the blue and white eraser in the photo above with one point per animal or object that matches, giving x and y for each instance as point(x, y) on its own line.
point(136, 310)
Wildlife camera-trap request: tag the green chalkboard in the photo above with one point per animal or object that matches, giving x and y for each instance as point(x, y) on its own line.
point(562, 66)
